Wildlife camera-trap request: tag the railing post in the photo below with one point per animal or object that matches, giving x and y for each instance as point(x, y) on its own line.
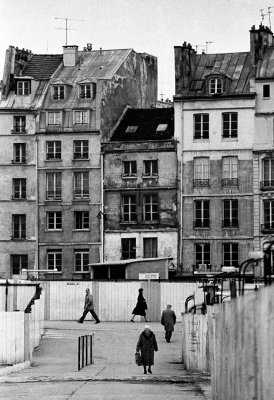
point(83, 351)
point(79, 352)
point(86, 340)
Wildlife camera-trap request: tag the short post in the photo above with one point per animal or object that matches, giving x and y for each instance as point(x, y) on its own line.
point(79, 349)
point(91, 344)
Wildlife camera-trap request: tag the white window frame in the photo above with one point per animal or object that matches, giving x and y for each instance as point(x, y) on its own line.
point(21, 220)
point(56, 224)
point(82, 253)
point(83, 146)
point(54, 118)
point(23, 88)
point(149, 208)
point(84, 219)
point(19, 153)
point(54, 179)
point(58, 92)
point(21, 126)
point(231, 131)
point(54, 149)
point(55, 253)
point(230, 167)
point(19, 188)
point(150, 168)
point(81, 185)
point(80, 117)
point(216, 85)
point(85, 91)
point(129, 202)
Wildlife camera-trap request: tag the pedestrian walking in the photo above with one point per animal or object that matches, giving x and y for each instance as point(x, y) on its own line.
point(168, 319)
point(89, 307)
point(141, 306)
point(147, 344)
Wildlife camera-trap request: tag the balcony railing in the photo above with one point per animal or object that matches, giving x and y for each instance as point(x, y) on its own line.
point(267, 185)
point(230, 182)
point(201, 182)
point(81, 194)
point(204, 224)
point(231, 223)
point(54, 195)
point(267, 228)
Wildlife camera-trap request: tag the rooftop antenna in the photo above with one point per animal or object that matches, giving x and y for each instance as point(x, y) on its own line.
point(262, 15)
point(162, 96)
point(207, 44)
point(66, 28)
point(204, 46)
point(269, 12)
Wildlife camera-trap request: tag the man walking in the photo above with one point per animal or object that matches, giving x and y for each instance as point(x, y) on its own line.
point(168, 319)
point(89, 307)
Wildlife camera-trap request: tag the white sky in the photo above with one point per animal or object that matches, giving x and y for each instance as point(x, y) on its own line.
point(151, 26)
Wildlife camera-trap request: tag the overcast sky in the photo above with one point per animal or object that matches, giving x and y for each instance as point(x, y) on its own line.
point(151, 26)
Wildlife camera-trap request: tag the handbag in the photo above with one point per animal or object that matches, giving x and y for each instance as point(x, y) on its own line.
point(138, 359)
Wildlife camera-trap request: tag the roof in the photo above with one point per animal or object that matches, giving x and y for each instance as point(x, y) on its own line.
point(265, 67)
point(42, 66)
point(147, 121)
point(96, 64)
point(234, 66)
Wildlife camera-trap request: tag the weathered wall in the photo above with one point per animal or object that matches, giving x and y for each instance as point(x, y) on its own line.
point(135, 83)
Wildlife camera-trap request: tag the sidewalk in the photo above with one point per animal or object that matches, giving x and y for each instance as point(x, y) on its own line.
point(55, 360)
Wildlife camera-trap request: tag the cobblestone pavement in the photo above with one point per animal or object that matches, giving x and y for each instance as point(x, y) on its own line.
point(114, 375)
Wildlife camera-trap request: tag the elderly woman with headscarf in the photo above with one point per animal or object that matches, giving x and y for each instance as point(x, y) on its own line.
point(147, 344)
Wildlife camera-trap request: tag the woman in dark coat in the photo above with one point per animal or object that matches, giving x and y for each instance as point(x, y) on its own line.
point(141, 306)
point(147, 344)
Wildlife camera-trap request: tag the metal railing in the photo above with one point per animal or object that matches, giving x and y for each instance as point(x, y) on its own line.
point(85, 351)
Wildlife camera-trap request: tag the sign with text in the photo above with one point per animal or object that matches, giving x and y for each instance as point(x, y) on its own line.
point(148, 276)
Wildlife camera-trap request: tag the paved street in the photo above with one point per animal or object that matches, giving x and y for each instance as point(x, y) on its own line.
point(114, 374)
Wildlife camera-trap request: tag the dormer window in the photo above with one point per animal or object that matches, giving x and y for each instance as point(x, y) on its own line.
point(58, 92)
point(216, 86)
point(131, 128)
point(87, 90)
point(23, 88)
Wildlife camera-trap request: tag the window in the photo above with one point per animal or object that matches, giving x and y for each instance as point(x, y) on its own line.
point(129, 208)
point(130, 168)
point(131, 128)
point(54, 118)
point(54, 220)
point(19, 153)
point(230, 171)
point(19, 124)
point(150, 247)
point(201, 210)
point(54, 259)
point(81, 260)
point(201, 126)
point(80, 117)
point(268, 173)
point(150, 206)
point(19, 226)
point(151, 168)
point(19, 188)
point(268, 215)
point(54, 150)
point(266, 91)
point(84, 92)
point(58, 92)
point(202, 253)
point(81, 220)
point(128, 248)
point(18, 262)
point(23, 88)
point(201, 172)
point(54, 185)
point(161, 128)
point(230, 210)
point(80, 150)
point(81, 185)
point(230, 125)
point(230, 254)
point(215, 86)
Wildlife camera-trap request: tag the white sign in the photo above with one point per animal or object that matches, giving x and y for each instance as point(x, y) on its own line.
point(151, 275)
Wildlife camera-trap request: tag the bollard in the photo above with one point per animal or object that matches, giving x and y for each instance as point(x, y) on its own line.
point(85, 351)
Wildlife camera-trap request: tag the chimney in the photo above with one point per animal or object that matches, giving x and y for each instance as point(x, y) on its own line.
point(260, 39)
point(89, 46)
point(70, 56)
point(184, 66)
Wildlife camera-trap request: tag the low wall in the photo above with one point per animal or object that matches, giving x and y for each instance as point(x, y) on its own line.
point(195, 347)
point(241, 352)
point(20, 333)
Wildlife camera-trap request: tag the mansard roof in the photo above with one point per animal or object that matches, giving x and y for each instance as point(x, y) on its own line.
point(142, 124)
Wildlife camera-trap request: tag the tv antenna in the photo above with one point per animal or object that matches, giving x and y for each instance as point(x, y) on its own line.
point(66, 27)
point(262, 15)
point(269, 12)
point(204, 46)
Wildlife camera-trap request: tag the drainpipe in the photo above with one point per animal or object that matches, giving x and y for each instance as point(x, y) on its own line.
point(181, 192)
point(102, 207)
point(37, 208)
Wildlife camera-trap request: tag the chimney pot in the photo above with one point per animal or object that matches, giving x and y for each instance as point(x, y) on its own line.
point(89, 46)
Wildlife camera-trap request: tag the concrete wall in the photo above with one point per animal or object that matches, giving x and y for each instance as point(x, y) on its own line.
point(195, 355)
point(20, 333)
point(241, 335)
